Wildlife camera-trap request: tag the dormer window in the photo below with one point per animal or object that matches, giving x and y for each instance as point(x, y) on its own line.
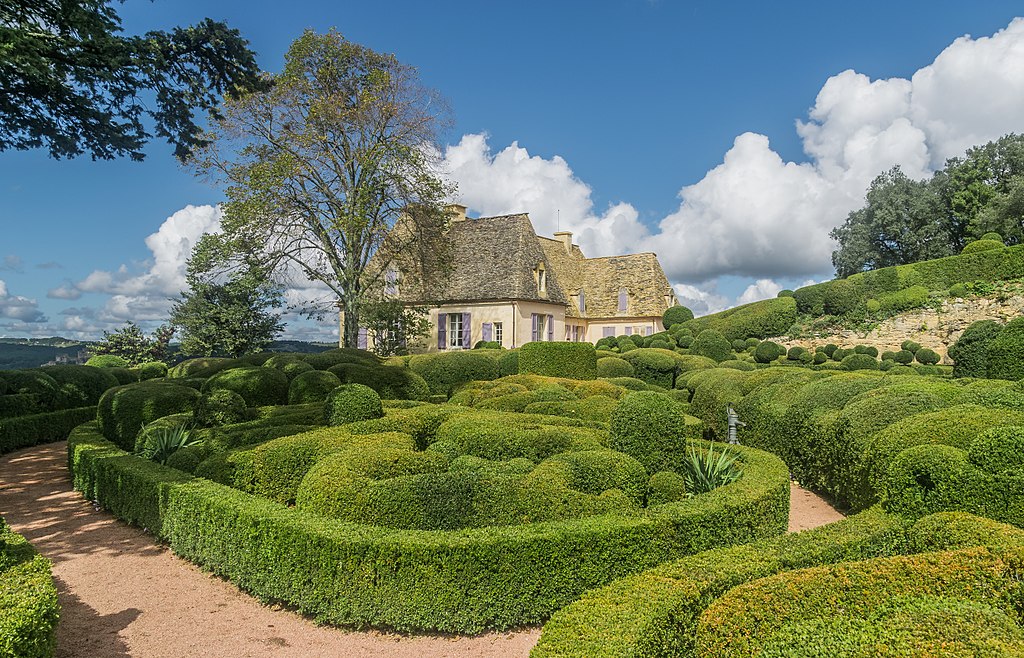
point(582, 302)
point(391, 282)
point(623, 300)
point(542, 278)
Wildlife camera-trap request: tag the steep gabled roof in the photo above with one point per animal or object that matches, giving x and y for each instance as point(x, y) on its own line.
point(639, 274)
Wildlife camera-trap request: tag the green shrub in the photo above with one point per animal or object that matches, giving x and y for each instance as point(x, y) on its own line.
point(998, 450)
point(312, 386)
point(628, 383)
point(711, 344)
point(993, 236)
point(124, 410)
point(981, 245)
point(258, 386)
point(508, 363)
point(905, 357)
point(352, 402)
point(36, 429)
point(80, 386)
point(558, 359)
point(927, 357)
point(221, 407)
point(107, 361)
point(866, 349)
point(613, 366)
point(768, 351)
point(970, 351)
point(676, 315)
point(910, 346)
point(873, 306)
point(656, 366)
point(820, 358)
point(28, 599)
point(763, 319)
point(1005, 353)
point(904, 300)
point(652, 429)
point(811, 299)
point(958, 290)
point(446, 371)
point(202, 367)
point(794, 353)
point(596, 408)
point(37, 383)
point(859, 362)
point(666, 487)
point(152, 370)
point(328, 358)
point(487, 345)
point(739, 345)
point(18, 404)
point(841, 297)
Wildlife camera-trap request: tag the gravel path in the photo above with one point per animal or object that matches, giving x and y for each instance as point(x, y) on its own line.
point(122, 594)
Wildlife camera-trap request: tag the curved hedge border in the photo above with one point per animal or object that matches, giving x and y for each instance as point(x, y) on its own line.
point(462, 581)
point(657, 612)
point(27, 431)
point(28, 599)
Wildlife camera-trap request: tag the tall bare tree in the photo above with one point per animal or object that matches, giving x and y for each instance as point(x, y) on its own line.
point(321, 168)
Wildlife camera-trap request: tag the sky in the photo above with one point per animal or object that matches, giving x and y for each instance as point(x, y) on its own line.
point(728, 138)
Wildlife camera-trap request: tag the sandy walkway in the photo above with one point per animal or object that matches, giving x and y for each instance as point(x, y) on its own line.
point(121, 594)
point(809, 510)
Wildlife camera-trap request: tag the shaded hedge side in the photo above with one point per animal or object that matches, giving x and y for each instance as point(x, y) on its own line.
point(28, 599)
point(27, 431)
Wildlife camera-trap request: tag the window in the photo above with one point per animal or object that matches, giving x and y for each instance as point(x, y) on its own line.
point(648, 331)
point(541, 326)
point(497, 332)
point(391, 282)
point(582, 302)
point(629, 331)
point(541, 276)
point(454, 330)
point(623, 300)
point(607, 332)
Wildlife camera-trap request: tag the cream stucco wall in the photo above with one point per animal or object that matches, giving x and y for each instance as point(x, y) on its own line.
point(595, 328)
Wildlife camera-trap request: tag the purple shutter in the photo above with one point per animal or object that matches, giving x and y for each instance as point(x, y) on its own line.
point(485, 330)
point(608, 332)
point(551, 328)
point(536, 320)
point(466, 326)
point(647, 331)
point(623, 301)
point(442, 336)
point(629, 331)
point(361, 341)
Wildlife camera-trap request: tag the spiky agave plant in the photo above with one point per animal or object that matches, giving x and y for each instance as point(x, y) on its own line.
point(163, 442)
point(704, 470)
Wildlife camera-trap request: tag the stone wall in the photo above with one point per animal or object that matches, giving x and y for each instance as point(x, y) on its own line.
point(935, 330)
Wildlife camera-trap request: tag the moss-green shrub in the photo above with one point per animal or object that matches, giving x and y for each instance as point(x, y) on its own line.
point(656, 366)
point(992, 235)
point(596, 408)
point(328, 358)
point(981, 245)
point(152, 370)
point(927, 357)
point(279, 361)
point(768, 351)
point(28, 599)
point(904, 300)
point(107, 361)
point(652, 429)
point(840, 297)
point(970, 351)
point(352, 402)
point(904, 357)
point(37, 383)
point(312, 386)
point(558, 359)
point(36, 429)
point(508, 363)
point(123, 375)
point(258, 386)
point(18, 404)
point(1005, 353)
point(613, 366)
point(794, 353)
point(221, 407)
point(910, 346)
point(711, 344)
point(870, 350)
point(445, 371)
point(123, 410)
point(202, 367)
point(819, 358)
point(628, 383)
point(998, 450)
point(666, 487)
point(768, 317)
point(676, 315)
point(80, 386)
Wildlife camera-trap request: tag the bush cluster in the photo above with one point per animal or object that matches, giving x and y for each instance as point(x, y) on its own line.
point(258, 386)
point(446, 371)
point(28, 599)
point(571, 360)
point(124, 410)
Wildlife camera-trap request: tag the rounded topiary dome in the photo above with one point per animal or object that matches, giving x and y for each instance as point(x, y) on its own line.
point(676, 315)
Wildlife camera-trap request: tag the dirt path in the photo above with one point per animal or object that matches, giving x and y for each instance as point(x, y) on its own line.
point(123, 595)
point(809, 510)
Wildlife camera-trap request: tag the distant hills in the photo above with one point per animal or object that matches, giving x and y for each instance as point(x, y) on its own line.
point(18, 353)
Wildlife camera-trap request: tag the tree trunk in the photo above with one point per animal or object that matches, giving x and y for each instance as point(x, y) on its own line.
point(351, 337)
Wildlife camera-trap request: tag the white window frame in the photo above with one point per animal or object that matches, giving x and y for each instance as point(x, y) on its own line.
point(542, 327)
point(454, 338)
point(496, 329)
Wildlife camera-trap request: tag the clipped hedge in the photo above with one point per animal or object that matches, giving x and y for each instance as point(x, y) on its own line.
point(613, 366)
point(1005, 352)
point(258, 386)
point(28, 599)
point(653, 429)
point(494, 577)
point(350, 403)
point(123, 410)
point(558, 359)
point(27, 431)
point(312, 386)
point(446, 371)
point(970, 351)
point(763, 319)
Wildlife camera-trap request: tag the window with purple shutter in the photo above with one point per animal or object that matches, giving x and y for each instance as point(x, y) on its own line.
point(623, 300)
point(629, 331)
point(535, 319)
point(466, 326)
point(647, 331)
point(391, 282)
point(551, 328)
point(607, 332)
point(485, 330)
point(442, 335)
point(568, 332)
point(583, 302)
point(361, 341)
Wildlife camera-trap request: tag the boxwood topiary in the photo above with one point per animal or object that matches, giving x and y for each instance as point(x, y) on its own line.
point(711, 344)
point(652, 429)
point(905, 357)
point(312, 386)
point(927, 357)
point(124, 410)
point(558, 359)
point(81, 386)
point(866, 349)
point(107, 361)
point(794, 353)
point(768, 351)
point(258, 386)
point(859, 362)
point(981, 245)
point(676, 315)
point(152, 370)
point(202, 367)
point(326, 359)
point(1005, 352)
point(352, 402)
point(445, 371)
point(970, 351)
point(220, 407)
point(910, 346)
point(613, 366)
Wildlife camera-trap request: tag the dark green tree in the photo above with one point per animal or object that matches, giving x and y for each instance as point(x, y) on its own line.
point(903, 221)
point(132, 345)
point(73, 83)
point(231, 317)
point(329, 169)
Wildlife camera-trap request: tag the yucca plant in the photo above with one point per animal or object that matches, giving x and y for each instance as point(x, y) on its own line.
point(705, 470)
point(163, 442)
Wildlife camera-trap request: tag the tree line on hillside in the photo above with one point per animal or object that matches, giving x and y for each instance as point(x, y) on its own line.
point(905, 220)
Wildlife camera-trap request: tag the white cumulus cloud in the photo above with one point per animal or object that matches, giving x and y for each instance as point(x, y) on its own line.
point(16, 307)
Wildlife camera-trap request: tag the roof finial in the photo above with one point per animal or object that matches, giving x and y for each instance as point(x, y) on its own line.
point(558, 219)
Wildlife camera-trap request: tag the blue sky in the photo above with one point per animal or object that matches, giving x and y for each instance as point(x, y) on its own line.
point(641, 125)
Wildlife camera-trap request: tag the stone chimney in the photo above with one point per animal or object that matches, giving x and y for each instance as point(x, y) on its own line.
point(566, 238)
point(458, 212)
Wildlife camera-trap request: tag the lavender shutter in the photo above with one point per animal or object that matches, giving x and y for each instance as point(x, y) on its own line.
point(485, 330)
point(466, 326)
point(536, 320)
point(607, 332)
point(551, 328)
point(442, 336)
point(623, 300)
point(361, 341)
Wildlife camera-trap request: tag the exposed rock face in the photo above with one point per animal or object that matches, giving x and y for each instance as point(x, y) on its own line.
point(936, 330)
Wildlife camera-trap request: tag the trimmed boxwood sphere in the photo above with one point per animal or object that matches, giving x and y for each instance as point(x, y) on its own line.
point(107, 361)
point(312, 386)
point(711, 344)
point(221, 407)
point(1006, 352)
point(258, 386)
point(152, 370)
point(676, 315)
point(613, 366)
point(859, 362)
point(123, 410)
point(904, 357)
point(981, 245)
point(352, 402)
point(768, 351)
point(927, 357)
point(970, 351)
point(202, 367)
